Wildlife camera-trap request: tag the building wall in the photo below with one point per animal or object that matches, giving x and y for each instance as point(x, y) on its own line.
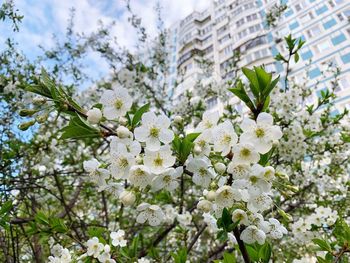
point(229, 25)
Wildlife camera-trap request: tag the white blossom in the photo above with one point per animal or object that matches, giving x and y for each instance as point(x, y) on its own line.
point(118, 238)
point(224, 138)
point(94, 247)
point(151, 213)
point(252, 234)
point(116, 102)
point(121, 162)
point(154, 131)
point(241, 216)
point(159, 161)
point(140, 176)
point(245, 153)
point(168, 179)
point(261, 133)
point(202, 173)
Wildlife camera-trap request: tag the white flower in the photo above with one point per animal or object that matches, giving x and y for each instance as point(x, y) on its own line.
point(209, 121)
point(115, 102)
point(140, 176)
point(257, 182)
point(131, 146)
point(224, 138)
point(202, 145)
point(205, 206)
point(154, 130)
point(121, 161)
point(226, 196)
point(232, 241)
point(97, 175)
point(211, 222)
point(259, 202)
point(202, 173)
point(252, 234)
point(151, 213)
point(159, 161)
point(261, 133)
point(105, 257)
point(241, 216)
point(276, 230)
point(184, 219)
point(127, 198)
point(94, 247)
point(118, 238)
point(238, 170)
point(245, 153)
point(269, 173)
point(167, 180)
point(94, 115)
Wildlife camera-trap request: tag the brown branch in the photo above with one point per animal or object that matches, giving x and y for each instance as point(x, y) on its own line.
point(241, 245)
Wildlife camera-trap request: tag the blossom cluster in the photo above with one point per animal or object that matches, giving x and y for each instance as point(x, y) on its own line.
point(144, 158)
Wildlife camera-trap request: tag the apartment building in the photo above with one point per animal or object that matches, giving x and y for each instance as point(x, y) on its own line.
point(239, 25)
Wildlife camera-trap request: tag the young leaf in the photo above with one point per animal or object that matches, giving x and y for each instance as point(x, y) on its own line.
point(138, 114)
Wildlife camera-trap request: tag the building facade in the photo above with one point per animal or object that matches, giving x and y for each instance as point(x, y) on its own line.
point(239, 25)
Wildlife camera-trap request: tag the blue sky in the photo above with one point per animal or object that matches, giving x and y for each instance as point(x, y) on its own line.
point(43, 18)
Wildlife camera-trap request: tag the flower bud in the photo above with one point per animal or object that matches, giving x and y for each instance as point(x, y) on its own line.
point(197, 149)
point(42, 118)
point(25, 125)
point(39, 100)
point(220, 168)
point(127, 198)
point(27, 112)
point(211, 195)
point(94, 115)
point(285, 215)
point(123, 132)
point(205, 206)
point(178, 119)
point(123, 121)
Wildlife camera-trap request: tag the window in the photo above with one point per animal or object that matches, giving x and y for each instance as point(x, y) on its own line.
point(340, 17)
point(224, 39)
point(298, 7)
point(240, 22)
point(314, 31)
point(252, 17)
point(306, 18)
point(322, 46)
point(344, 83)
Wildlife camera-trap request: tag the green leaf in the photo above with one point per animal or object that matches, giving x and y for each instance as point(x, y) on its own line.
point(264, 78)
point(323, 244)
point(138, 115)
point(253, 254)
point(296, 57)
point(39, 89)
point(184, 147)
point(79, 128)
point(265, 252)
point(41, 218)
point(253, 79)
point(180, 256)
point(272, 85)
point(6, 208)
point(229, 258)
